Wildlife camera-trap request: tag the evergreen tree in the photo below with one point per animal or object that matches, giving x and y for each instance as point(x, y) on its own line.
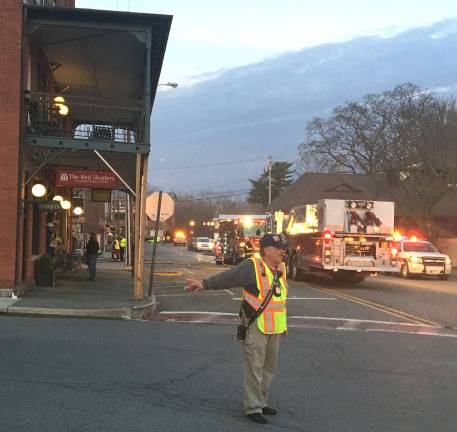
point(281, 177)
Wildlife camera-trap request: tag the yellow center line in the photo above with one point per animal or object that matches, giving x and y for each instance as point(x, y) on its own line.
point(170, 274)
point(382, 308)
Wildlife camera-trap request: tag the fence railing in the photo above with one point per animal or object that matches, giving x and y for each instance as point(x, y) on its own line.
point(84, 117)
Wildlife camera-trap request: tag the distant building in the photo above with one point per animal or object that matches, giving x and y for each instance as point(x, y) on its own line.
point(311, 187)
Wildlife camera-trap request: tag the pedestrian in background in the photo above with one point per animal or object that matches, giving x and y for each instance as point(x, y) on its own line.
point(263, 318)
point(115, 249)
point(92, 249)
point(122, 246)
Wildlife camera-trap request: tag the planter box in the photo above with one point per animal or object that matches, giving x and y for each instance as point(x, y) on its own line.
point(45, 279)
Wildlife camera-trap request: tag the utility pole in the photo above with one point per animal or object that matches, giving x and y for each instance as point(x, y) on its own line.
point(154, 247)
point(269, 179)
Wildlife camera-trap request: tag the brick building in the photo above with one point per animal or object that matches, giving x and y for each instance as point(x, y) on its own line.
point(77, 88)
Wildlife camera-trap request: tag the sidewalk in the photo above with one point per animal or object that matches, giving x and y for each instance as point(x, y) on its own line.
point(109, 296)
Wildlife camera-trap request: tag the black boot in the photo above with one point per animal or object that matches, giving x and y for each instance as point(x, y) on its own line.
point(269, 411)
point(257, 418)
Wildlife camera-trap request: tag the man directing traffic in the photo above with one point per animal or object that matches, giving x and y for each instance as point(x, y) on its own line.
point(263, 318)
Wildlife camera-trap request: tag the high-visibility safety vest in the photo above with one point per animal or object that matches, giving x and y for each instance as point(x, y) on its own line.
point(116, 244)
point(273, 319)
point(123, 242)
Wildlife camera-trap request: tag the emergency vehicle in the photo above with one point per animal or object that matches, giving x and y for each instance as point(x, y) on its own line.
point(347, 239)
point(419, 257)
point(180, 238)
point(237, 237)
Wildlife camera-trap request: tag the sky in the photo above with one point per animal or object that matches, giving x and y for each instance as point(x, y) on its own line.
point(209, 36)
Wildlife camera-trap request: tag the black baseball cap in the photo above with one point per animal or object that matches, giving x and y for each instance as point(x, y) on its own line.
point(275, 240)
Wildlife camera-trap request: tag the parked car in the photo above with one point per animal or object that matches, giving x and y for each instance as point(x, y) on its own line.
point(417, 257)
point(204, 244)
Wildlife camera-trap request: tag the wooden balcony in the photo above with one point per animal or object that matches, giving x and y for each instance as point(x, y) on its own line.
point(86, 122)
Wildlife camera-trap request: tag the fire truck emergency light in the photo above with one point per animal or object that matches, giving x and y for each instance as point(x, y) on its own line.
point(248, 222)
point(327, 235)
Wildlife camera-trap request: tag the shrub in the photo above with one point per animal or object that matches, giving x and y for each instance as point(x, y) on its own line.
point(45, 264)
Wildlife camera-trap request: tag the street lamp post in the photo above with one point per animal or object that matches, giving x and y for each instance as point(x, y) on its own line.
point(168, 84)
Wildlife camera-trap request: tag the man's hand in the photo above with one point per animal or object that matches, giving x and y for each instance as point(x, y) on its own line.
point(193, 285)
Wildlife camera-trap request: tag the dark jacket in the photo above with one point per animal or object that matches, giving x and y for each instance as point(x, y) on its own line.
point(92, 247)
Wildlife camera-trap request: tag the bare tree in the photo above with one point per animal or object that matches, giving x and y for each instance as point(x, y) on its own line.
point(407, 132)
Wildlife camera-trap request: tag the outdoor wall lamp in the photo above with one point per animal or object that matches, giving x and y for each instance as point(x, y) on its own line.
point(38, 190)
point(59, 102)
point(58, 198)
point(78, 211)
point(65, 204)
point(63, 110)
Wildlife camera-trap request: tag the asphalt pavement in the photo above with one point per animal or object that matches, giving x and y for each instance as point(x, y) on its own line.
point(97, 375)
point(356, 359)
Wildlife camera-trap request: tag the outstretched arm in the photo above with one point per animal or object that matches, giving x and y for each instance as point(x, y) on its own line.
point(239, 276)
point(193, 284)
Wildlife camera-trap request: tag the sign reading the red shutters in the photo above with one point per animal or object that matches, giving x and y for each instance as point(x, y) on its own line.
point(86, 179)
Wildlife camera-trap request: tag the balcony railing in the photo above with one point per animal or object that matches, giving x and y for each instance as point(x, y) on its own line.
point(88, 118)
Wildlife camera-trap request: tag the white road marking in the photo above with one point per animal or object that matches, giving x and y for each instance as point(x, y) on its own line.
point(300, 298)
point(197, 312)
point(191, 294)
point(325, 323)
point(186, 270)
point(348, 325)
point(353, 320)
point(412, 333)
point(230, 292)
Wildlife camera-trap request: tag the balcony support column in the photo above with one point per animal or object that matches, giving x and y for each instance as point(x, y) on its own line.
point(144, 185)
point(136, 289)
point(147, 101)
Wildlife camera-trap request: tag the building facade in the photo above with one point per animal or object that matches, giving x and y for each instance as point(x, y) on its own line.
point(76, 92)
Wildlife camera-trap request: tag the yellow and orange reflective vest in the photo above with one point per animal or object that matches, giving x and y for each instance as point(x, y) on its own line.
point(273, 319)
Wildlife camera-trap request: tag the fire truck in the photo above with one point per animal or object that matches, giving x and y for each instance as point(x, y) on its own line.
point(237, 237)
point(347, 239)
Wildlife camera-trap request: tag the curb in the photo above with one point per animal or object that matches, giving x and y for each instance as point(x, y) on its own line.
point(122, 313)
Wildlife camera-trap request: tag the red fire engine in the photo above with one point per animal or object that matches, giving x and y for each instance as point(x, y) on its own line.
point(237, 237)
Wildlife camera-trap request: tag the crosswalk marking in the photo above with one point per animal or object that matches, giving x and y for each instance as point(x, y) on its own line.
point(324, 323)
point(300, 298)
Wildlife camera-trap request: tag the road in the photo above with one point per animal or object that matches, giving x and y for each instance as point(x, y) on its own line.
point(346, 365)
point(415, 302)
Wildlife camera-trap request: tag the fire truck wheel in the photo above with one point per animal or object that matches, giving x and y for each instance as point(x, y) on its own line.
point(405, 271)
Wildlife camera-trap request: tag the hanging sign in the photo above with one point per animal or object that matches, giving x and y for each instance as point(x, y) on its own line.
point(49, 206)
point(101, 195)
point(86, 179)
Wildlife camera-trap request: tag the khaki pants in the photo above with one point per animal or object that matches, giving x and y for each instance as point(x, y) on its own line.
point(261, 360)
